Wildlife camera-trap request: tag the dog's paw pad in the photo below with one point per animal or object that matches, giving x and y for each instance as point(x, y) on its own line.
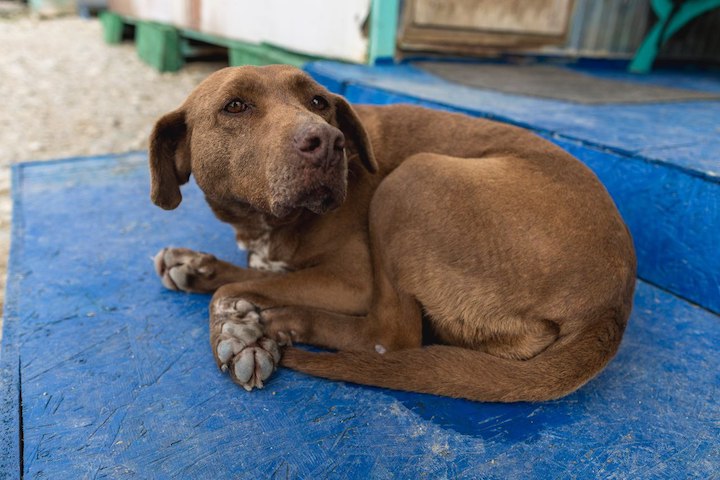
point(236, 307)
point(241, 348)
point(184, 269)
point(254, 364)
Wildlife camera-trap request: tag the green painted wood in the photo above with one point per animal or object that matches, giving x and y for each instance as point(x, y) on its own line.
point(383, 30)
point(239, 52)
point(206, 37)
point(164, 47)
point(275, 54)
point(159, 45)
point(244, 53)
point(264, 54)
point(112, 25)
point(645, 56)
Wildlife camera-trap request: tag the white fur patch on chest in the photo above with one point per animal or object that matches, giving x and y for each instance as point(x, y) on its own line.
point(259, 255)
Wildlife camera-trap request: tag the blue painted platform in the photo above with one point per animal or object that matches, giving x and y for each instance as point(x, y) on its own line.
point(660, 161)
point(113, 377)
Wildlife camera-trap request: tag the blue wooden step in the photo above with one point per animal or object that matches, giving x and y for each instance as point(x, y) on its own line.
point(106, 374)
point(660, 161)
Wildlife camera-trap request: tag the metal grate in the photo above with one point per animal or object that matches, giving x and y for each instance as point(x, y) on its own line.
point(607, 28)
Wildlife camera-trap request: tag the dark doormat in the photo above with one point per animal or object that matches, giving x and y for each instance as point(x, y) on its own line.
point(559, 83)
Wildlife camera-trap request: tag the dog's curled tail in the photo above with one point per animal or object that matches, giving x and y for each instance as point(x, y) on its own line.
point(457, 372)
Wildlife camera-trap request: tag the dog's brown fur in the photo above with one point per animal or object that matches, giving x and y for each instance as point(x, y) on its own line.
point(508, 248)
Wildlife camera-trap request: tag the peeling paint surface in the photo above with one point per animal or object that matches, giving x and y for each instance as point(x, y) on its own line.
point(117, 379)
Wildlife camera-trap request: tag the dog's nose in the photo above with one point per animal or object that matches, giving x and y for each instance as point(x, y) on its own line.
point(320, 145)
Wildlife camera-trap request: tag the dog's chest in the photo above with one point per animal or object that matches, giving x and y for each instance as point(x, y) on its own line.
point(259, 255)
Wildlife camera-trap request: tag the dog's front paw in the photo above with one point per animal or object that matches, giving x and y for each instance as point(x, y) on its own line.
point(239, 344)
point(186, 270)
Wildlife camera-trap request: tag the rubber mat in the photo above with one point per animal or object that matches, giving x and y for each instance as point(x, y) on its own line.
point(546, 81)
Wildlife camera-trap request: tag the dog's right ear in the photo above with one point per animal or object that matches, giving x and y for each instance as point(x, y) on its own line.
point(352, 128)
point(169, 159)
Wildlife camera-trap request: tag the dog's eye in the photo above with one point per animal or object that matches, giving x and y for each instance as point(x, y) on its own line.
point(235, 106)
point(319, 103)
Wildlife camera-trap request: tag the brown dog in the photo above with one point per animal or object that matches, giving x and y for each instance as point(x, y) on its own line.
point(367, 227)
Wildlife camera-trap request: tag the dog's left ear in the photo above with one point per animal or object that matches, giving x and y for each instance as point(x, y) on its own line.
point(354, 131)
point(169, 159)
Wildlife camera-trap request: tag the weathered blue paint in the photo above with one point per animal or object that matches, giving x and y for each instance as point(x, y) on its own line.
point(661, 162)
point(674, 219)
point(118, 380)
point(10, 429)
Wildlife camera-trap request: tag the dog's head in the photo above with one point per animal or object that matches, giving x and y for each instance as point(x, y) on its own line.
point(270, 137)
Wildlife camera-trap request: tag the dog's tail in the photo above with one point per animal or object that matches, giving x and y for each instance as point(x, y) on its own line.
point(562, 368)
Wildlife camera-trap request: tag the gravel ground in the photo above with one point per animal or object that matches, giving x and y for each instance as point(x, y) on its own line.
point(65, 93)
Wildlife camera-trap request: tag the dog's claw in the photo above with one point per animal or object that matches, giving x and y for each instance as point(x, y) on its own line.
point(241, 349)
point(284, 339)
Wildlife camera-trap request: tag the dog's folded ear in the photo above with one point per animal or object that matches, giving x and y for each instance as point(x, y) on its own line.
point(353, 129)
point(169, 159)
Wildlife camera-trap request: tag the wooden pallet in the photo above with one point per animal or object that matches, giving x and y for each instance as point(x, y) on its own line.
point(166, 47)
point(106, 374)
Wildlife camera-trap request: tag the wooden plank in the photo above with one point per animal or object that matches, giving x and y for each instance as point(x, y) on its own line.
point(541, 17)
point(159, 45)
point(482, 27)
point(246, 54)
point(113, 26)
point(165, 47)
point(243, 53)
point(118, 380)
point(11, 453)
point(383, 30)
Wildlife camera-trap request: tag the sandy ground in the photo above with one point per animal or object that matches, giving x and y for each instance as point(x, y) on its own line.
point(64, 93)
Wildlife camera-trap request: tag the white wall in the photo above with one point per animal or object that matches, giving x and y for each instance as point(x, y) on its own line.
point(328, 28)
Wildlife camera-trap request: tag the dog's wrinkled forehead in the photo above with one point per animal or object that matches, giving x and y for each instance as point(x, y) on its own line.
point(254, 84)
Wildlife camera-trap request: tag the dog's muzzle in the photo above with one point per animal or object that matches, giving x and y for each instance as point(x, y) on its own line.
point(318, 185)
